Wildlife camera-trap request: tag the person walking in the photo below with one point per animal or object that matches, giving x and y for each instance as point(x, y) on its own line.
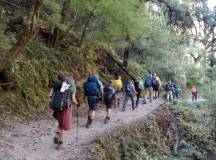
point(194, 94)
point(138, 84)
point(63, 95)
point(109, 93)
point(177, 92)
point(158, 92)
point(169, 91)
point(92, 90)
point(148, 87)
point(129, 93)
point(118, 85)
point(155, 85)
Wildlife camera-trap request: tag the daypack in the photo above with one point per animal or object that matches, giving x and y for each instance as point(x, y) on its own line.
point(178, 90)
point(193, 90)
point(148, 81)
point(60, 100)
point(138, 85)
point(108, 92)
point(128, 87)
point(92, 87)
point(118, 84)
point(169, 87)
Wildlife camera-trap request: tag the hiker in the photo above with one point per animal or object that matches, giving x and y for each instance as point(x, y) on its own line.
point(177, 92)
point(118, 85)
point(63, 94)
point(169, 91)
point(194, 93)
point(92, 90)
point(138, 84)
point(129, 93)
point(109, 94)
point(148, 87)
point(174, 87)
point(158, 92)
point(155, 85)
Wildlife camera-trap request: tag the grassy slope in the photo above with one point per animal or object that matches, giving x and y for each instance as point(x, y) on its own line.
point(149, 139)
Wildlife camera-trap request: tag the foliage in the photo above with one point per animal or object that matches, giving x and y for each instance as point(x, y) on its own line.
point(149, 139)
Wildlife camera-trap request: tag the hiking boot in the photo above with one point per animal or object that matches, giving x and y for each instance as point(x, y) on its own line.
point(144, 102)
point(89, 122)
point(55, 140)
point(123, 109)
point(59, 146)
point(106, 119)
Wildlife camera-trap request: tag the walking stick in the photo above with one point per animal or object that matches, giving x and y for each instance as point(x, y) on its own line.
point(77, 115)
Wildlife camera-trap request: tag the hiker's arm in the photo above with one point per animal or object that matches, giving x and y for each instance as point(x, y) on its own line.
point(51, 93)
point(74, 100)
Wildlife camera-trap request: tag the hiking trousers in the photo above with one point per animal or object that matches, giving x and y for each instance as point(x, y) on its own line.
point(194, 97)
point(169, 96)
point(127, 96)
point(148, 93)
point(138, 97)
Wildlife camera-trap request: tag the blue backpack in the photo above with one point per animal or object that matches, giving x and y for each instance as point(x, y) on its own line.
point(92, 87)
point(128, 87)
point(148, 81)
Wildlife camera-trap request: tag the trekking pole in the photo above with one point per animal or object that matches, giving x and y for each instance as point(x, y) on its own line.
point(77, 115)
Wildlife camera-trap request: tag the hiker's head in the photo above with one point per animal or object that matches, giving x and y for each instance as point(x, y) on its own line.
point(119, 77)
point(154, 75)
point(170, 81)
point(70, 80)
point(111, 82)
point(149, 71)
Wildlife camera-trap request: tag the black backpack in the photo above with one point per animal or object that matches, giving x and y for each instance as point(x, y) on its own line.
point(60, 100)
point(169, 87)
point(108, 92)
point(137, 85)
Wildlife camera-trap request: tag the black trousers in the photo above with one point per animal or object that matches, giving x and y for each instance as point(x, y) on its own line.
point(138, 97)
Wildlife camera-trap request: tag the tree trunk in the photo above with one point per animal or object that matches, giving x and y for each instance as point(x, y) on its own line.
point(119, 64)
point(56, 33)
point(85, 29)
point(26, 36)
point(126, 52)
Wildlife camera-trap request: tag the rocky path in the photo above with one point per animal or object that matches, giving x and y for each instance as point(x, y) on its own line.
point(34, 141)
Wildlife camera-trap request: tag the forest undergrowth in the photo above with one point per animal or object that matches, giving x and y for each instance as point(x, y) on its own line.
point(176, 132)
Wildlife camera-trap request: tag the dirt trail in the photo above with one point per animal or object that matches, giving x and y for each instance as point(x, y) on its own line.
point(34, 141)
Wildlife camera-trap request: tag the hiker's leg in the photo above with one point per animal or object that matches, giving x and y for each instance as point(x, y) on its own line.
point(125, 101)
point(138, 97)
point(146, 95)
point(167, 95)
point(192, 97)
point(61, 135)
point(132, 101)
point(195, 97)
point(171, 95)
point(158, 92)
point(151, 93)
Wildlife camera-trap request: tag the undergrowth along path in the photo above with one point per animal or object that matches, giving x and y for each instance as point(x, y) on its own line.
point(34, 141)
